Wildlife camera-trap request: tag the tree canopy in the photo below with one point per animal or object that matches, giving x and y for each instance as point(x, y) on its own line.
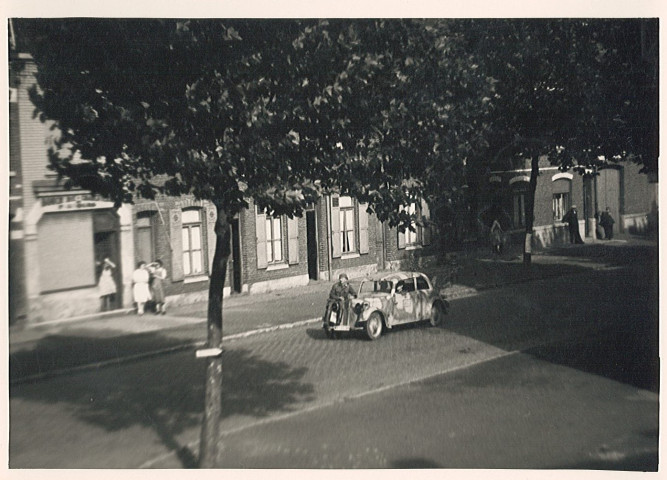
point(580, 91)
point(275, 110)
point(282, 111)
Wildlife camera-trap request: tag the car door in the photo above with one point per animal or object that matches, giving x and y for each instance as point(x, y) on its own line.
point(404, 300)
point(422, 298)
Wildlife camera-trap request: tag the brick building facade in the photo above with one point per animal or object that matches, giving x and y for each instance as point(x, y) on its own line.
point(59, 237)
point(629, 195)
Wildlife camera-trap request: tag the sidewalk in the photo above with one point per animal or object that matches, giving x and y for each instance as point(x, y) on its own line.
point(56, 348)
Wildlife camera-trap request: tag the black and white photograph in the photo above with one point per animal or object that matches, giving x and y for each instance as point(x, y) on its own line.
point(331, 243)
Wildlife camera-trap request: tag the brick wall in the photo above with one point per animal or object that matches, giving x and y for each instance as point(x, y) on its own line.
point(160, 221)
point(636, 193)
point(34, 135)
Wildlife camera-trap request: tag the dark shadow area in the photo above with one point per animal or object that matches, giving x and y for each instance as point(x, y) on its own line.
point(166, 393)
point(603, 322)
point(56, 352)
point(488, 270)
point(612, 253)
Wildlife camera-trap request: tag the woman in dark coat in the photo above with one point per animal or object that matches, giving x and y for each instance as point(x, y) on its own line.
point(573, 225)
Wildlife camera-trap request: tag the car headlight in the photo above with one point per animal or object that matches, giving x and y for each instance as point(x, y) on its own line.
point(360, 307)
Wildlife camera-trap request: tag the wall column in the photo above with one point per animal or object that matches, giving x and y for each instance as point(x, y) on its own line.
point(126, 252)
point(31, 265)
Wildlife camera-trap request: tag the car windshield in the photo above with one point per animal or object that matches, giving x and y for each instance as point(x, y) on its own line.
point(375, 286)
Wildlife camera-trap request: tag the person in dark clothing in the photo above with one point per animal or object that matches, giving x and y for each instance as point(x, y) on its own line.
point(607, 222)
point(573, 225)
point(340, 294)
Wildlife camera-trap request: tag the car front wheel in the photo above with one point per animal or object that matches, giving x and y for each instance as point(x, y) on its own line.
point(374, 326)
point(437, 315)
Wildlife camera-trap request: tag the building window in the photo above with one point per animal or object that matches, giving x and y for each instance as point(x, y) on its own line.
point(145, 241)
point(561, 204)
point(274, 239)
point(519, 209)
point(193, 254)
point(347, 225)
point(413, 238)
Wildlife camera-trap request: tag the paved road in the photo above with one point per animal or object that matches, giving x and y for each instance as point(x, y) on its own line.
point(518, 411)
point(148, 413)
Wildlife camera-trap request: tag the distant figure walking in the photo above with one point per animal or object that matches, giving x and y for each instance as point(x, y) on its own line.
point(599, 230)
point(607, 222)
point(141, 290)
point(158, 275)
point(496, 238)
point(573, 225)
point(106, 285)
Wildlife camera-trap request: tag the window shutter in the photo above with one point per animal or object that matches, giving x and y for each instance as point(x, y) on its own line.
point(427, 229)
point(363, 228)
point(176, 237)
point(401, 239)
point(260, 229)
point(211, 216)
point(335, 227)
point(293, 240)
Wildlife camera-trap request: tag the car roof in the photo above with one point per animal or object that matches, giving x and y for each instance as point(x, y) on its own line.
point(394, 276)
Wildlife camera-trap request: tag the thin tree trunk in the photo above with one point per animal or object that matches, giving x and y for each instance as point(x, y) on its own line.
point(210, 442)
point(530, 210)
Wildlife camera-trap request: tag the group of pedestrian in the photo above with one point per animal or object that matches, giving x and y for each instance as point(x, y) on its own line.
point(147, 285)
point(604, 225)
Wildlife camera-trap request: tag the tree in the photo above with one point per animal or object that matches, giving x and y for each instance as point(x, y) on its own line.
point(279, 112)
point(582, 92)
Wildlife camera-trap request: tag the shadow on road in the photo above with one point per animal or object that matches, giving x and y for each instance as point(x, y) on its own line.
point(58, 351)
point(610, 318)
point(166, 394)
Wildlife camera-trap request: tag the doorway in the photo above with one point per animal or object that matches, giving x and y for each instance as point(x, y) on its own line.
point(106, 244)
point(311, 228)
point(237, 266)
point(608, 192)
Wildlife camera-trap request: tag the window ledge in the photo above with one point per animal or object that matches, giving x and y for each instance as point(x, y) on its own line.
point(195, 279)
point(346, 256)
point(277, 266)
point(413, 247)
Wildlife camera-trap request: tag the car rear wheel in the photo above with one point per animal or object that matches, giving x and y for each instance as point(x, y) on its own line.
point(437, 315)
point(374, 326)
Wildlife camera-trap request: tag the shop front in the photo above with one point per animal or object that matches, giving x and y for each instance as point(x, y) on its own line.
point(68, 236)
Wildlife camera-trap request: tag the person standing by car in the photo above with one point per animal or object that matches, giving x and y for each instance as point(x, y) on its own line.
point(341, 292)
point(607, 222)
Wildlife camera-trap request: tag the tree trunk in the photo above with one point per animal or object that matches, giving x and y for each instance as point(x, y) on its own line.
point(530, 210)
point(209, 444)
